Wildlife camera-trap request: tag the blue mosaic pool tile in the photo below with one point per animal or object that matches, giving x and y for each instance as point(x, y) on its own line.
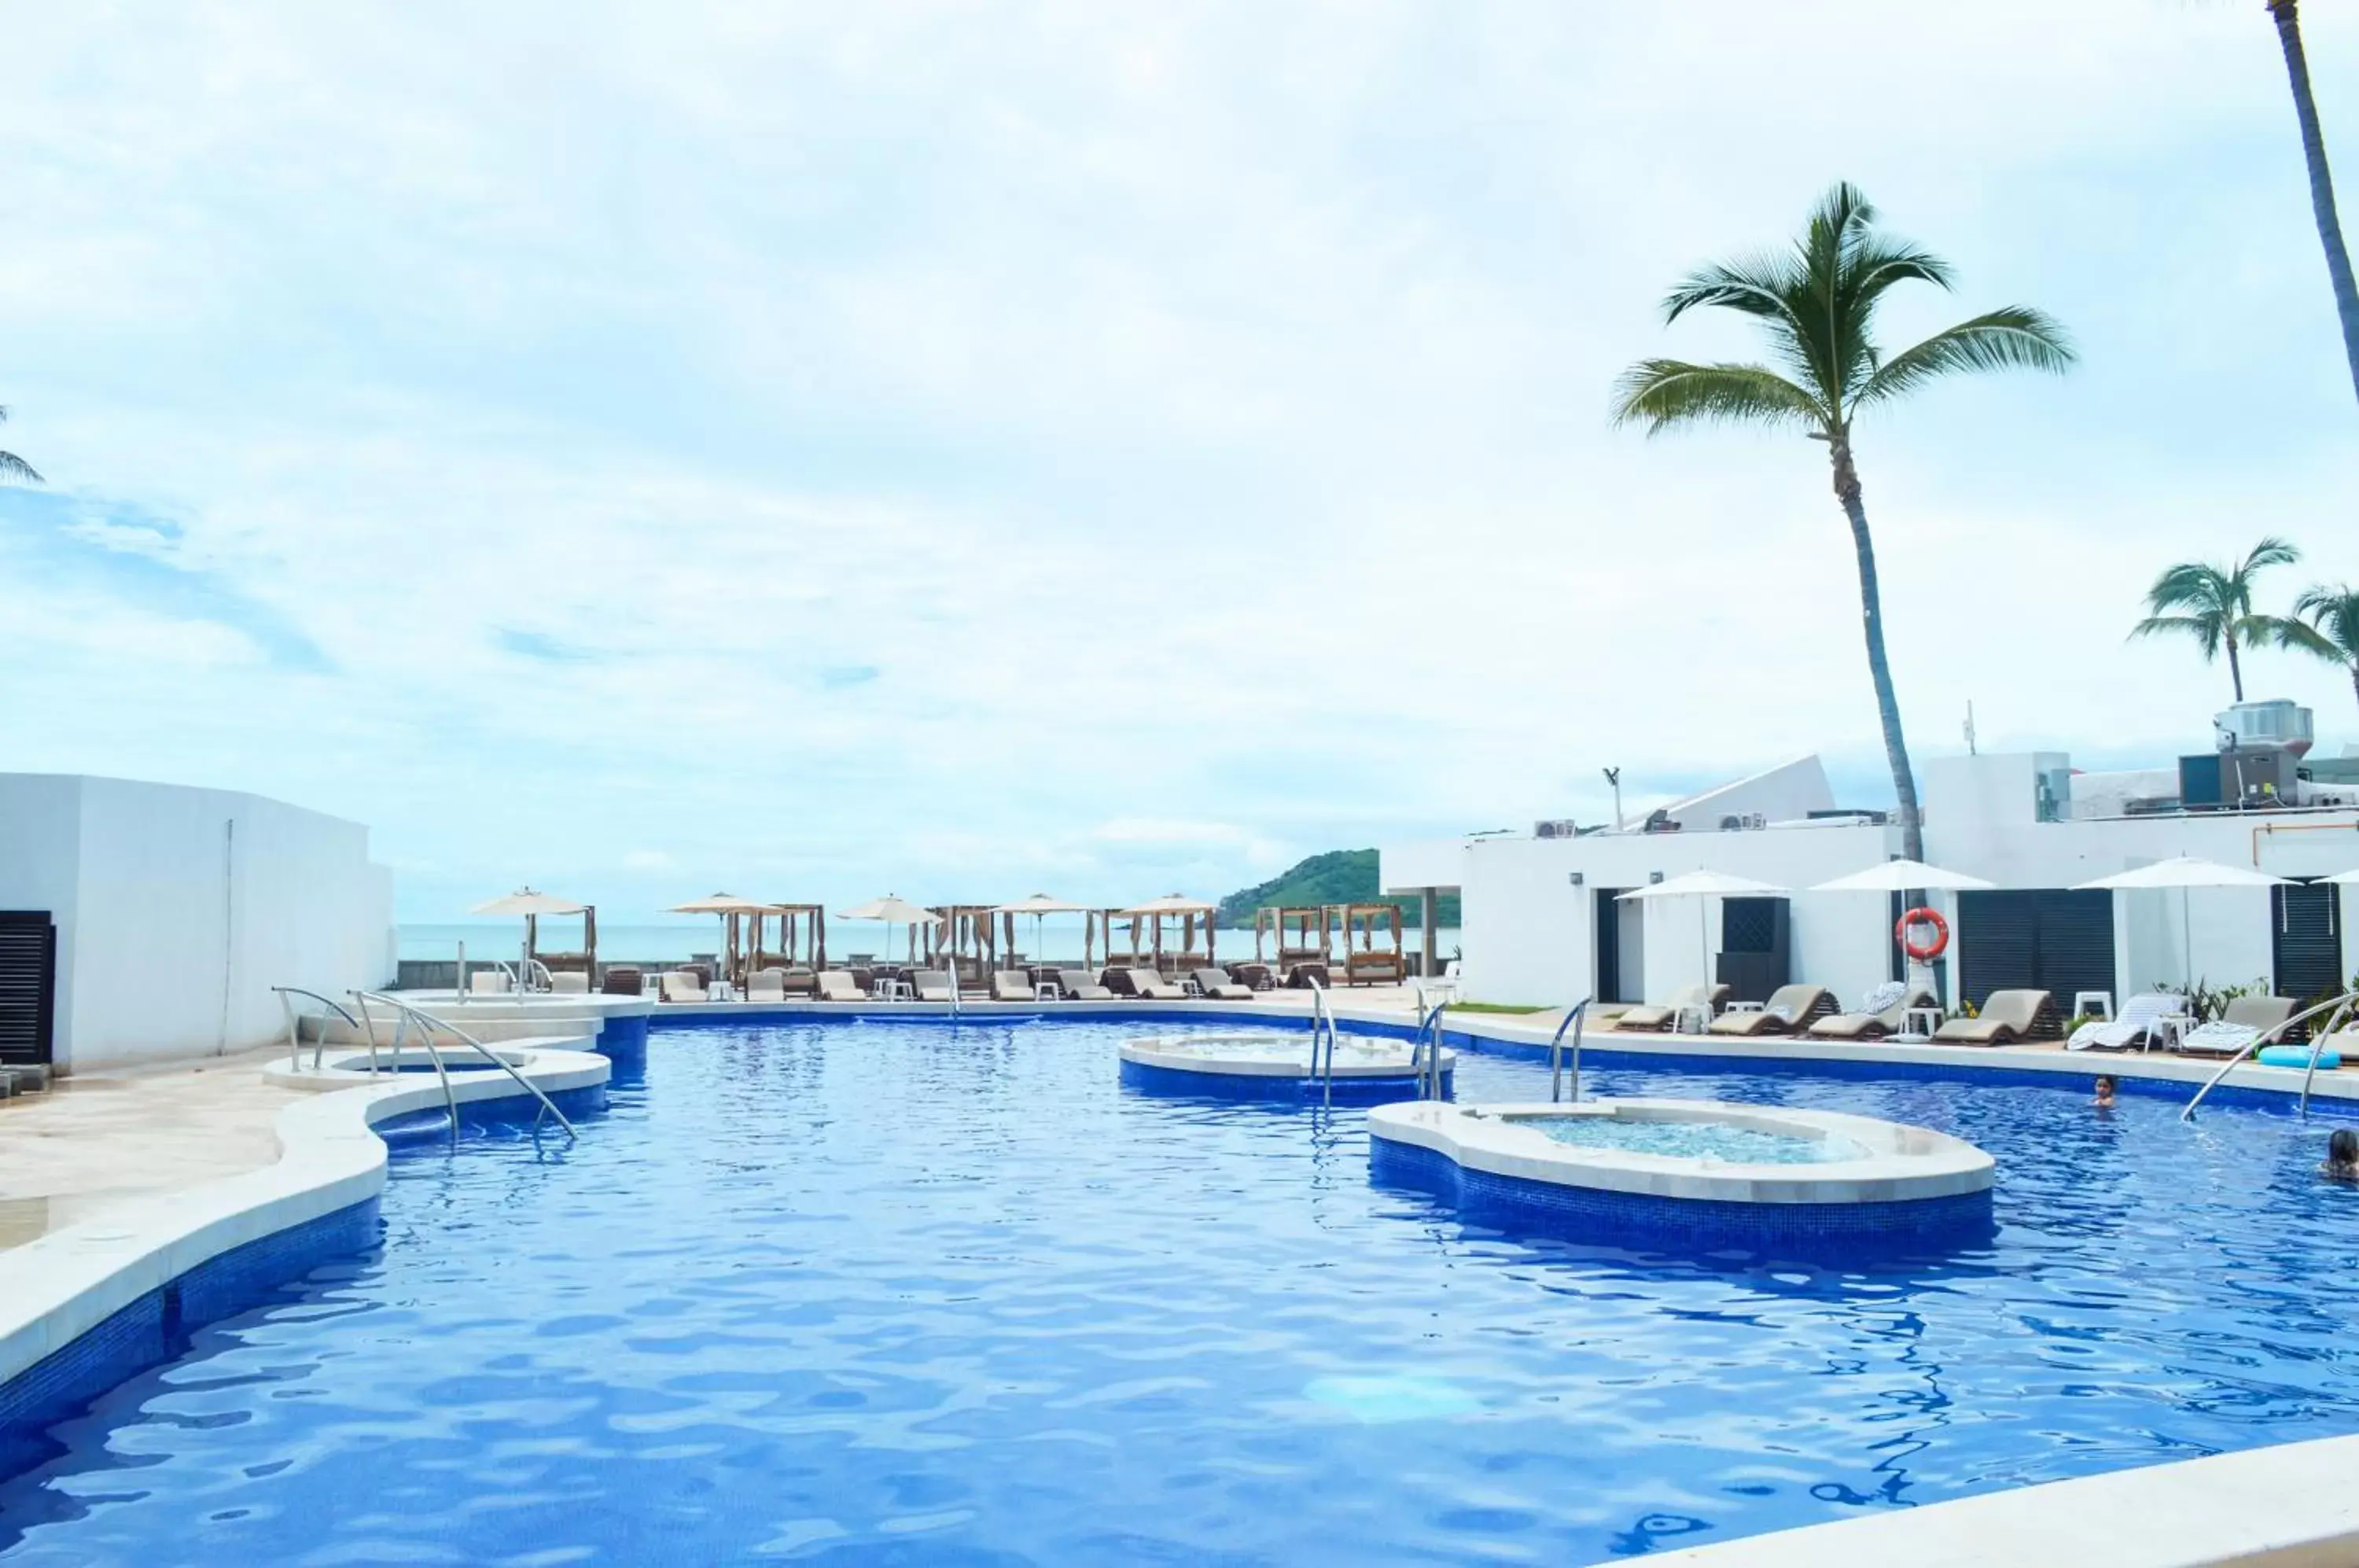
point(1674, 1225)
point(1168, 1081)
point(155, 1327)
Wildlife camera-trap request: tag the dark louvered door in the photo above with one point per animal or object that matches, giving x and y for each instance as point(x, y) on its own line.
point(2307, 938)
point(2036, 938)
point(28, 984)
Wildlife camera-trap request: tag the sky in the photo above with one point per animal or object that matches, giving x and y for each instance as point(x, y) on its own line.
point(971, 449)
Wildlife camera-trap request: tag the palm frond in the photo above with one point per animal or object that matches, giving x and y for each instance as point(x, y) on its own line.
point(1755, 285)
point(2303, 638)
point(17, 471)
point(2014, 338)
point(2271, 551)
point(2205, 629)
point(2334, 611)
point(1660, 392)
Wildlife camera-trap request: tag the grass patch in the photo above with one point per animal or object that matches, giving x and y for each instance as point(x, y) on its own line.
point(1491, 1008)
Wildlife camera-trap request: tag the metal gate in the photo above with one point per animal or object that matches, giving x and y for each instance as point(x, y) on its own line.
point(2044, 939)
point(28, 987)
point(2305, 929)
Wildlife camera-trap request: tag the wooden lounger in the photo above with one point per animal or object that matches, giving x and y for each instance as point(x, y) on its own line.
point(1654, 1020)
point(1788, 1010)
point(838, 985)
point(1871, 1026)
point(2006, 1017)
point(1216, 984)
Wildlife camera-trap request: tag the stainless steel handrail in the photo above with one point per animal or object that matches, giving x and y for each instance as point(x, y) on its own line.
point(2340, 1006)
point(1571, 1021)
point(1320, 1015)
point(430, 1022)
point(295, 1035)
point(1425, 1048)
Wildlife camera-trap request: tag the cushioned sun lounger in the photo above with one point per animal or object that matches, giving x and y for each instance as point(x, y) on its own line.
point(1654, 1020)
point(931, 985)
point(838, 985)
point(1881, 1012)
point(1789, 1009)
point(682, 986)
point(2006, 1017)
point(1147, 984)
point(1216, 984)
point(1011, 986)
point(2136, 1025)
point(767, 986)
point(1078, 987)
point(2240, 1023)
point(569, 983)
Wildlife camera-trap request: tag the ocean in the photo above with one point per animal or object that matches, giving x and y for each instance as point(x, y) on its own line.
point(677, 942)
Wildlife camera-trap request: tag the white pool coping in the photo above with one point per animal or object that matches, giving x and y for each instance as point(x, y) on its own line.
point(54, 1289)
point(1898, 1163)
point(2292, 1506)
point(1284, 1055)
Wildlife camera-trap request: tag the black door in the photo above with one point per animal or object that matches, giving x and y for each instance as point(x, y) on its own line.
point(28, 984)
point(2307, 927)
point(1608, 916)
point(2044, 938)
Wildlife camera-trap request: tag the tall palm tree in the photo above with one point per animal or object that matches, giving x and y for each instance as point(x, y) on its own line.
point(2213, 604)
point(2326, 624)
point(14, 470)
point(1817, 307)
point(2321, 183)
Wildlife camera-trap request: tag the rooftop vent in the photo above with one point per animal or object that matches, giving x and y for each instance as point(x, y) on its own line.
point(2278, 721)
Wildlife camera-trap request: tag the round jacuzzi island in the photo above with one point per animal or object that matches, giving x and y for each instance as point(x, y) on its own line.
point(1271, 1064)
point(1690, 1173)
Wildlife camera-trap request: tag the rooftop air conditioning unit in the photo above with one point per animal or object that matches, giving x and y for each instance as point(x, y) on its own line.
point(2276, 723)
point(1562, 828)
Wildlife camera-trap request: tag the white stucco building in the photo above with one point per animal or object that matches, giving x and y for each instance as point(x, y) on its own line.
point(1541, 922)
point(171, 912)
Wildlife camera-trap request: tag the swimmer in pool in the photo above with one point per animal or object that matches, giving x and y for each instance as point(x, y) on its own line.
point(2104, 1100)
point(2342, 1157)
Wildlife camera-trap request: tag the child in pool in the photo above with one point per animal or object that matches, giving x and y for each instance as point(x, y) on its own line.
point(2104, 1100)
point(2342, 1157)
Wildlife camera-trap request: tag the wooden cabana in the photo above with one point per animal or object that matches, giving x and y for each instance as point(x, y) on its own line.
point(1373, 954)
point(734, 911)
point(1111, 923)
point(1190, 915)
point(968, 939)
point(583, 963)
point(1300, 935)
point(802, 936)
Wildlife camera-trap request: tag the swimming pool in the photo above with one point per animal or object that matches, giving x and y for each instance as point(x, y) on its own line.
point(869, 1292)
point(1713, 1141)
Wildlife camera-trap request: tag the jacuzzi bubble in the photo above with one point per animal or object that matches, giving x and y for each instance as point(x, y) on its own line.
point(1693, 1140)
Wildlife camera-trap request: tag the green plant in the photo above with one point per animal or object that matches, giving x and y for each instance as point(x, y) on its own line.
point(2213, 603)
point(1817, 306)
point(2325, 622)
point(2077, 1020)
point(2205, 1003)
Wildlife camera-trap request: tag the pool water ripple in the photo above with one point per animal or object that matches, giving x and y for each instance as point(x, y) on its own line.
point(877, 1294)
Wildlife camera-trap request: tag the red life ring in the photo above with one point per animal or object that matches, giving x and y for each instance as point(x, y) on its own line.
point(1928, 952)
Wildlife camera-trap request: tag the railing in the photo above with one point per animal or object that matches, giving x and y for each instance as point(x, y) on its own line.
point(1571, 1021)
point(295, 1033)
point(428, 1024)
point(2341, 1007)
point(1323, 1023)
point(1425, 1048)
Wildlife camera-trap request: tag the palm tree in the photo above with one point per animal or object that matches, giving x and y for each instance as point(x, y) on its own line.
point(14, 470)
point(1817, 306)
point(2213, 604)
point(2326, 624)
point(2321, 183)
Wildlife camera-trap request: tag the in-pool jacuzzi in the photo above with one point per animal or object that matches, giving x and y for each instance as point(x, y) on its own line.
point(1705, 1172)
point(1272, 1064)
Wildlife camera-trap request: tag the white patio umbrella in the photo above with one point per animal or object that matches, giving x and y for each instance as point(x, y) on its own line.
point(531, 905)
point(1903, 877)
point(1700, 886)
point(893, 910)
point(1036, 906)
point(2182, 872)
point(2342, 878)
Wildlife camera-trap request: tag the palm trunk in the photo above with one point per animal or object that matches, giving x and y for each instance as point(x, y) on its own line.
point(2235, 670)
point(1871, 608)
point(2322, 182)
point(2354, 679)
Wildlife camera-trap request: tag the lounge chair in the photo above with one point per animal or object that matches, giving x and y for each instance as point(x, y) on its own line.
point(2136, 1025)
point(1882, 1011)
point(1788, 1011)
point(623, 980)
point(767, 986)
point(1149, 987)
point(2240, 1023)
point(569, 983)
point(488, 982)
point(838, 985)
point(1011, 986)
point(800, 981)
point(682, 986)
point(1654, 1020)
point(2006, 1017)
point(931, 985)
point(1078, 987)
point(1216, 984)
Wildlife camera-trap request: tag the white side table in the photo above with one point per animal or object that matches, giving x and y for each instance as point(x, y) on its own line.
point(2093, 1003)
point(1693, 1018)
point(1917, 1024)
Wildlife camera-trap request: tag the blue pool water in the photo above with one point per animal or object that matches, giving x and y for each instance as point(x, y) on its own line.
point(873, 1294)
point(1717, 1140)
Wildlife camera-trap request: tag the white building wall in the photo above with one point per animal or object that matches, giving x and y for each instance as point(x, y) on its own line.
point(178, 909)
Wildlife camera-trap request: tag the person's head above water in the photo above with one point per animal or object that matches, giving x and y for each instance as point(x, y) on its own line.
point(2105, 1086)
point(2342, 1148)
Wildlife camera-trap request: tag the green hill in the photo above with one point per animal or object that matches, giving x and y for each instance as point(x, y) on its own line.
point(1338, 877)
